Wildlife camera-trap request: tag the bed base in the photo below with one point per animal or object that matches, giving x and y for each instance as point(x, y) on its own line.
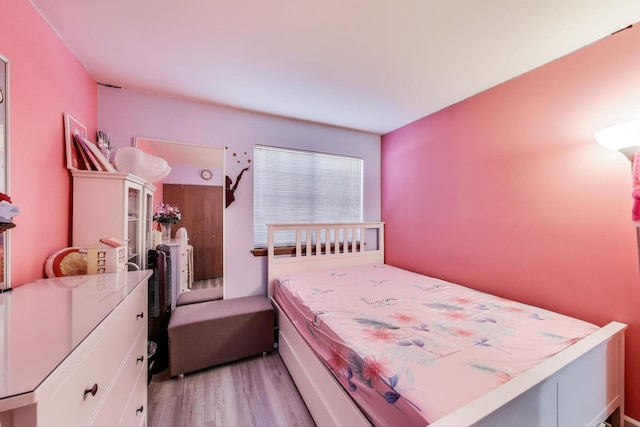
point(326, 399)
point(581, 385)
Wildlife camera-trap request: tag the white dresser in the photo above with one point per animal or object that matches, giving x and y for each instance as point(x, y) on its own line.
point(181, 254)
point(74, 351)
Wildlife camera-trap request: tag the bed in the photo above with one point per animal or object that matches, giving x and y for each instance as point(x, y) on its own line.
point(579, 383)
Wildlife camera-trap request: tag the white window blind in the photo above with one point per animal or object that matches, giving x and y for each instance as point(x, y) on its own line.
point(293, 186)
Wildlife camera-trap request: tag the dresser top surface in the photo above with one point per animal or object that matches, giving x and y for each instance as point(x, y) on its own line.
point(42, 322)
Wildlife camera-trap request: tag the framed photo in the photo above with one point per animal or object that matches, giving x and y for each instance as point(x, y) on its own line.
point(71, 128)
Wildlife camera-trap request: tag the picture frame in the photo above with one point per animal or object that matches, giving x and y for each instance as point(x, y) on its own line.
point(72, 127)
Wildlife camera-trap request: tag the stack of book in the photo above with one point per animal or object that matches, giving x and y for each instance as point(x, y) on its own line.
point(89, 157)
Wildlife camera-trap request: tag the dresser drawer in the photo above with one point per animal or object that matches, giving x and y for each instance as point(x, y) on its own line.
point(63, 399)
point(134, 363)
point(135, 413)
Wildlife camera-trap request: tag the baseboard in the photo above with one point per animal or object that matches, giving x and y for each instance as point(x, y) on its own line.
point(630, 422)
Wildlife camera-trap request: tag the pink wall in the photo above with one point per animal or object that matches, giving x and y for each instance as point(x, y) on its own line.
point(46, 80)
point(507, 192)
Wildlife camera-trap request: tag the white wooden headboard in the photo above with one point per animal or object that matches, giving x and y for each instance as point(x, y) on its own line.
point(305, 247)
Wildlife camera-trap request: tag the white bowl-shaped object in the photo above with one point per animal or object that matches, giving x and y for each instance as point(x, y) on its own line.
point(135, 161)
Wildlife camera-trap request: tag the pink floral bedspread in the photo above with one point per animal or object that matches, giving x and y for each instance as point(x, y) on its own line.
point(410, 348)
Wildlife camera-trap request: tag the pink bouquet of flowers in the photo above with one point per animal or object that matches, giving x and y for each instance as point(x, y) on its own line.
point(167, 214)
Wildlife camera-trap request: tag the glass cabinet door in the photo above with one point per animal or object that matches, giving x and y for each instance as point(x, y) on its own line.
point(148, 219)
point(134, 225)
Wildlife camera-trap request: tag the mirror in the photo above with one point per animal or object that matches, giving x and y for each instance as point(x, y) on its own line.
point(4, 166)
point(196, 186)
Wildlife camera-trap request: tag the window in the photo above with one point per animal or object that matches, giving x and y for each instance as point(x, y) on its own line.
point(301, 186)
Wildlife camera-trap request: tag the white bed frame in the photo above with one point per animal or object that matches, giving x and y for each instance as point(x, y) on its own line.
point(582, 385)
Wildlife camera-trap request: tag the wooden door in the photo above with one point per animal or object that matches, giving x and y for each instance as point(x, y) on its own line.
point(201, 208)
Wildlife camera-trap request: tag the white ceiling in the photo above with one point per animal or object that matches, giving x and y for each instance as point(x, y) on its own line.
point(371, 65)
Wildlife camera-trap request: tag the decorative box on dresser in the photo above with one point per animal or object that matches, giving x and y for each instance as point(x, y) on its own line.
point(113, 204)
point(74, 351)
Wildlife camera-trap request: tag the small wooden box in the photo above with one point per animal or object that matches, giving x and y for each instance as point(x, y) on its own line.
point(106, 256)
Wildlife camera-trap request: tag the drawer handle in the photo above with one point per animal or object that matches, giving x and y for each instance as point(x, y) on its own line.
point(140, 316)
point(93, 390)
point(140, 359)
point(140, 409)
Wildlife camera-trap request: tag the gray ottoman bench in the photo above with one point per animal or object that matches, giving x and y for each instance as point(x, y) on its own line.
point(199, 295)
point(209, 333)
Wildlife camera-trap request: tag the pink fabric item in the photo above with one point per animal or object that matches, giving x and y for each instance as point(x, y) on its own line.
point(409, 348)
point(635, 210)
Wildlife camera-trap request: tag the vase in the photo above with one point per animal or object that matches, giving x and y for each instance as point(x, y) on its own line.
point(166, 232)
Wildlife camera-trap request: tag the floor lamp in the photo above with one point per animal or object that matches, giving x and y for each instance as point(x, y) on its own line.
point(625, 138)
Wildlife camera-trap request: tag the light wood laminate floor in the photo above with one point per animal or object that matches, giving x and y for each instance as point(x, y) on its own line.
point(207, 283)
point(257, 391)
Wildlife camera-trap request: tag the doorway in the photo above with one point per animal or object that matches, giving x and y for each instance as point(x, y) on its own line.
point(202, 209)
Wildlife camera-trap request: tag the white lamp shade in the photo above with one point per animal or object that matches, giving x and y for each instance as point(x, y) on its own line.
point(619, 137)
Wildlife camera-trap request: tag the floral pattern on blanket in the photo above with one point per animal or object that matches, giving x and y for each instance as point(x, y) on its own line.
point(421, 346)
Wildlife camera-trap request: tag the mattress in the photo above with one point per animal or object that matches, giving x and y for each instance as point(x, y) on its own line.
point(408, 348)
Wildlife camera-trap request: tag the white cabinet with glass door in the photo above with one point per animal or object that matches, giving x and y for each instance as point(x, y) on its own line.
point(111, 204)
point(147, 192)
